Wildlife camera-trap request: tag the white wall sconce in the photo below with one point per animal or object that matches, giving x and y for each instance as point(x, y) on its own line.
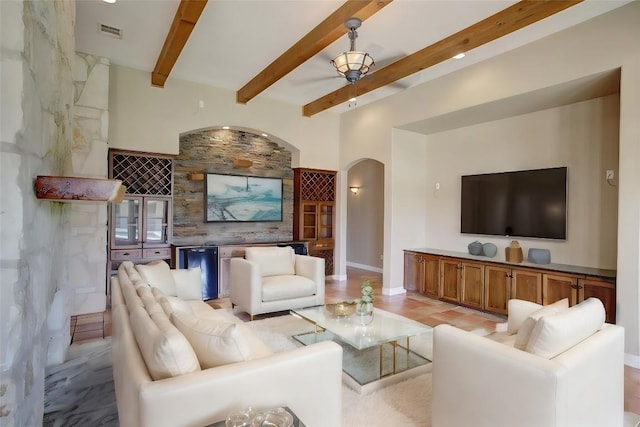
point(354, 190)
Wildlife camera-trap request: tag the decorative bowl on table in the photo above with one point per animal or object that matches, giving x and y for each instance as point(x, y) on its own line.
point(342, 308)
point(278, 417)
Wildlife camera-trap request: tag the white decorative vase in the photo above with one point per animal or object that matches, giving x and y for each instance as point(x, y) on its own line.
point(364, 313)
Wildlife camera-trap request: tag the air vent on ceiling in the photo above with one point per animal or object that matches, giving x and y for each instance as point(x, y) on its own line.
point(110, 31)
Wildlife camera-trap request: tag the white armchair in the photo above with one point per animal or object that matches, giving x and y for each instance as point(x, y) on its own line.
point(271, 279)
point(481, 382)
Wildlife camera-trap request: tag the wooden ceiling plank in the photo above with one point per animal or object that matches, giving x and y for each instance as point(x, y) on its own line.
point(184, 21)
point(325, 33)
point(500, 24)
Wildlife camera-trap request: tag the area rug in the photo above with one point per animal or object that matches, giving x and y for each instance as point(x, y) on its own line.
point(80, 392)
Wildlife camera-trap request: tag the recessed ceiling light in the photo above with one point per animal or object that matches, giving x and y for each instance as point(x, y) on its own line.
point(109, 1)
point(459, 56)
point(264, 134)
point(225, 127)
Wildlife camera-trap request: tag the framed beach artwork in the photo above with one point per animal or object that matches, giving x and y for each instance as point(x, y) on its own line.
point(239, 198)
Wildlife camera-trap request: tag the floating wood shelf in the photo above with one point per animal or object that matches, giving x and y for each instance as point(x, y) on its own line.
point(195, 177)
point(69, 189)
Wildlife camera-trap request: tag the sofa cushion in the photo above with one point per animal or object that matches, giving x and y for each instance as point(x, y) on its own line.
point(130, 268)
point(273, 261)
point(171, 304)
point(556, 333)
point(188, 283)
point(165, 351)
point(276, 288)
point(130, 295)
point(524, 332)
point(215, 343)
point(158, 275)
point(518, 310)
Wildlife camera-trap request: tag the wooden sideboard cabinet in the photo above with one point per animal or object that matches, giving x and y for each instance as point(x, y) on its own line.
point(422, 274)
point(577, 289)
point(462, 282)
point(488, 285)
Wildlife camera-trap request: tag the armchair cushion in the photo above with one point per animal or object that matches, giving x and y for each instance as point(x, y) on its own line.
point(518, 311)
point(556, 333)
point(524, 333)
point(273, 261)
point(188, 282)
point(276, 288)
point(158, 275)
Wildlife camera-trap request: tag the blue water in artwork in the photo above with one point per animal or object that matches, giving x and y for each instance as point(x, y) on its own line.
point(235, 198)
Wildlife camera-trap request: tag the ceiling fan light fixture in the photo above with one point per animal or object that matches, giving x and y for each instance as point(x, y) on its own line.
point(354, 64)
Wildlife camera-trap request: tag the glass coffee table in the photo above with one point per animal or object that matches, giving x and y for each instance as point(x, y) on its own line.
point(389, 345)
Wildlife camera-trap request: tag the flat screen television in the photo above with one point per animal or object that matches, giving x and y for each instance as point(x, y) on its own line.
point(531, 203)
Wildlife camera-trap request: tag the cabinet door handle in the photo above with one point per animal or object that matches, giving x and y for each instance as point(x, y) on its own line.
point(126, 254)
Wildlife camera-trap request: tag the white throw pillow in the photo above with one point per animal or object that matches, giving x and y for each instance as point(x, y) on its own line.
point(188, 283)
point(522, 338)
point(273, 261)
point(158, 275)
point(172, 305)
point(518, 310)
point(559, 332)
point(215, 343)
point(165, 351)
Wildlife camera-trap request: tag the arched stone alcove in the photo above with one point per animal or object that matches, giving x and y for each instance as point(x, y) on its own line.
point(219, 150)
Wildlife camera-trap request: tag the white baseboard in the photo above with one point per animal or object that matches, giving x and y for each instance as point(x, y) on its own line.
point(364, 267)
point(393, 291)
point(632, 360)
point(339, 277)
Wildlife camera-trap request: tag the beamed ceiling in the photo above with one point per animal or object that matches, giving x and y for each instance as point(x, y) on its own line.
point(282, 49)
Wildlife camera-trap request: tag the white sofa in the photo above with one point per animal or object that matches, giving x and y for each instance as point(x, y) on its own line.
point(481, 382)
point(180, 392)
point(270, 279)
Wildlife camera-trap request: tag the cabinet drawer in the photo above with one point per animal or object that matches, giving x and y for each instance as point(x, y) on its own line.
point(160, 253)
point(124, 255)
point(320, 245)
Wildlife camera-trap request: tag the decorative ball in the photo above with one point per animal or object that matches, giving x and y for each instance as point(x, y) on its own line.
point(490, 249)
point(475, 248)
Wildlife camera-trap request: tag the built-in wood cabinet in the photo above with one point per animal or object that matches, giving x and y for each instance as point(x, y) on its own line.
point(462, 282)
point(488, 286)
point(140, 227)
point(314, 195)
point(421, 274)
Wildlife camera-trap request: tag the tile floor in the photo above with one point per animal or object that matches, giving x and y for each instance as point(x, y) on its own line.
point(426, 310)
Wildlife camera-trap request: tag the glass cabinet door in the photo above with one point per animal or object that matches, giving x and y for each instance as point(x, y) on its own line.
point(126, 223)
point(325, 223)
point(157, 214)
point(309, 218)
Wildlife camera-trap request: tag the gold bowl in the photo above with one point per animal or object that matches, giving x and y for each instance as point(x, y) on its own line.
point(342, 308)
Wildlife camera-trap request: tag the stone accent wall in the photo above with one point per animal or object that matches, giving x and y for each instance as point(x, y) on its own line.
point(88, 246)
point(37, 48)
point(213, 151)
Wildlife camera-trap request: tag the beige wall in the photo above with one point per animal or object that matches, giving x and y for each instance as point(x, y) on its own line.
point(365, 215)
point(581, 136)
point(605, 43)
point(145, 118)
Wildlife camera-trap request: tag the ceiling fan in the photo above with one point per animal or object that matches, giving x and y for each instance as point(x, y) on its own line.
point(353, 64)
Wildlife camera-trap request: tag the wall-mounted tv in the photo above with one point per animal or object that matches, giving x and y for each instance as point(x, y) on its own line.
point(235, 198)
point(531, 203)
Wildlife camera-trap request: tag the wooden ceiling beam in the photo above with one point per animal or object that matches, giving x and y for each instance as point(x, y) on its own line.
point(184, 21)
point(500, 24)
point(325, 33)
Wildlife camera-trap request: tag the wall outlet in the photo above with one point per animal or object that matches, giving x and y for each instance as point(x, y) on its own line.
point(610, 174)
point(437, 185)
